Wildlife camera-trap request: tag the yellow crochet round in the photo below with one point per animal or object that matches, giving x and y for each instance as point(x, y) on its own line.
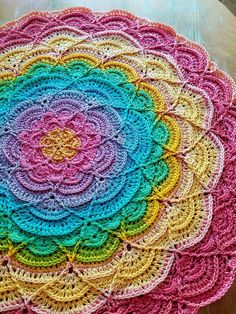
point(138, 254)
point(60, 144)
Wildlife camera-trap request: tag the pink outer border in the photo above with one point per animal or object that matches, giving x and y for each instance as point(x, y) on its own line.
point(214, 258)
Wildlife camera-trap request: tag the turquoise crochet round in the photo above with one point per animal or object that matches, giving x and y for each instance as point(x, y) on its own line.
point(116, 144)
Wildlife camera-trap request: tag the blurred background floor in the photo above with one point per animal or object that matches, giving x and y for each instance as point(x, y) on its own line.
point(230, 4)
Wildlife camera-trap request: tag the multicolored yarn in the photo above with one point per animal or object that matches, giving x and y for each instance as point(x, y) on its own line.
point(117, 177)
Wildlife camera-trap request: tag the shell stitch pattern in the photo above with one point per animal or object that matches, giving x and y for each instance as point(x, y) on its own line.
point(117, 167)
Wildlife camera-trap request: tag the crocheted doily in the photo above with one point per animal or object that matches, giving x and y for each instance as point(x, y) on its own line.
point(117, 179)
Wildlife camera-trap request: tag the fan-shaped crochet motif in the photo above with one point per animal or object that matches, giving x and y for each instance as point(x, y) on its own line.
point(117, 178)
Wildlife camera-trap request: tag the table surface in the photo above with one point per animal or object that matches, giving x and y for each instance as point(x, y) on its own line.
point(207, 22)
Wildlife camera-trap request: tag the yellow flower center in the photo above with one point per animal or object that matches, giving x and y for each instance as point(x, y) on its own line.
point(60, 144)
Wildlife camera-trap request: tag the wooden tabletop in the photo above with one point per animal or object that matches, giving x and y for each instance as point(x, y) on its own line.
point(207, 22)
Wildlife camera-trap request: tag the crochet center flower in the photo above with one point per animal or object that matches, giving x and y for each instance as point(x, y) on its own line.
point(108, 159)
point(88, 153)
point(59, 144)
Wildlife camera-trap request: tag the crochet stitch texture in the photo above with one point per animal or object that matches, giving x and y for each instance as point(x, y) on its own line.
point(117, 177)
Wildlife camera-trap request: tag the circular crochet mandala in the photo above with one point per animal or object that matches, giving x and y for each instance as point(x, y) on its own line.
point(117, 181)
